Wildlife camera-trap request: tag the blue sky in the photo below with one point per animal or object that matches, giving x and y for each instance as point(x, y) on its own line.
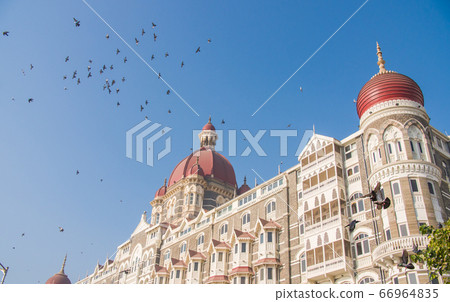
point(256, 46)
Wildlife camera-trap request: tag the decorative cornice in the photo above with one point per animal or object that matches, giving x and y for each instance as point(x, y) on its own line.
point(385, 108)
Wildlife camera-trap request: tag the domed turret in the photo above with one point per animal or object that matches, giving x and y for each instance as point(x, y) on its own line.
point(60, 277)
point(385, 86)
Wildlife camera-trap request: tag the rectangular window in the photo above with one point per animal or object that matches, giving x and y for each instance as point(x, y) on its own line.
point(261, 274)
point(356, 169)
point(195, 266)
point(395, 280)
point(242, 280)
point(269, 273)
point(171, 275)
point(390, 148)
point(178, 274)
point(269, 236)
point(412, 146)
point(243, 247)
point(430, 188)
point(220, 256)
point(234, 280)
point(412, 278)
point(235, 248)
point(403, 230)
point(420, 147)
point(379, 152)
point(361, 205)
point(414, 186)
point(396, 188)
point(374, 158)
point(303, 267)
point(388, 234)
point(366, 246)
point(189, 269)
point(348, 155)
point(213, 257)
point(302, 229)
point(261, 238)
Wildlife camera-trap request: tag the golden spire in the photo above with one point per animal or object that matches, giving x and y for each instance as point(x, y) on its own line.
point(209, 120)
point(63, 265)
point(380, 59)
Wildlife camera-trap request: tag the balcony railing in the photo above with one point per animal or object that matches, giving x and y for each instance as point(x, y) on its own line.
point(333, 266)
point(396, 246)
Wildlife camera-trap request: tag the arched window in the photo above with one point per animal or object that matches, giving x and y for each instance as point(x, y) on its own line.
point(334, 194)
point(246, 219)
point(362, 244)
point(325, 238)
point(367, 280)
point(319, 240)
point(392, 138)
point(338, 234)
point(372, 146)
point(224, 229)
point(303, 263)
point(271, 207)
point(167, 255)
point(191, 198)
point(322, 198)
point(201, 239)
point(316, 201)
point(417, 143)
point(157, 218)
point(306, 208)
point(183, 248)
point(308, 244)
point(357, 204)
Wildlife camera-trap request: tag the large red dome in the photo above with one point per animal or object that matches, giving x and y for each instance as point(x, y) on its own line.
point(387, 86)
point(210, 164)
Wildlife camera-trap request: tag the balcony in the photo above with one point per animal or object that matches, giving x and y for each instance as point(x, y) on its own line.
point(388, 253)
point(329, 268)
point(324, 224)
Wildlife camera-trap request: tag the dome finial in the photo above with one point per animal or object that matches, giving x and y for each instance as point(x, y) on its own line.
point(380, 59)
point(63, 265)
point(245, 180)
point(209, 120)
point(165, 182)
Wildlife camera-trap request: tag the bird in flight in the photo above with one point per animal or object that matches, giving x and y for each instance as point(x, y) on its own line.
point(159, 75)
point(117, 90)
point(23, 234)
point(146, 102)
point(289, 125)
point(101, 179)
point(78, 172)
point(153, 25)
point(352, 225)
point(89, 68)
point(209, 40)
point(77, 22)
point(376, 196)
point(117, 51)
point(136, 40)
point(101, 71)
point(223, 121)
point(111, 67)
point(90, 61)
point(113, 82)
point(182, 64)
point(23, 72)
point(104, 67)
point(65, 88)
point(142, 108)
point(153, 56)
point(143, 32)
point(198, 50)
point(31, 66)
point(64, 77)
point(78, 81)
point(89, 75)
point(166, 55)
point(6, 33)
point(30, 100)
point(107, 36)
point(354, 101)
point(74, 74)
point(168, 92)
point(125, 59)
point(154, 37)
point(67, 59)
point(404, 262)
point(169, 111)
point(118, 104)
point(123, 79)
point(301, 89)
point(61, 229)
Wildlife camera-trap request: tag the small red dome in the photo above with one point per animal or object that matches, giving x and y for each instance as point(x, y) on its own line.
point(387, 86)
point(244, 188)
point(161, 191)
point(209, 126)
point(205, 162)
point(58, 279)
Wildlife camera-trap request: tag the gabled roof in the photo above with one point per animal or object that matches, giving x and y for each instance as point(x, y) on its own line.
point(142, 225)
point(220, 244)
point(242, 235)
point(269, 224)
point(313, 140)
point(178, 263)
point(160, 270)
point(196, 255)
point(242, 270)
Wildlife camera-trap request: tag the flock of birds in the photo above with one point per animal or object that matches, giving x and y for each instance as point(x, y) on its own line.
point(376, 196)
